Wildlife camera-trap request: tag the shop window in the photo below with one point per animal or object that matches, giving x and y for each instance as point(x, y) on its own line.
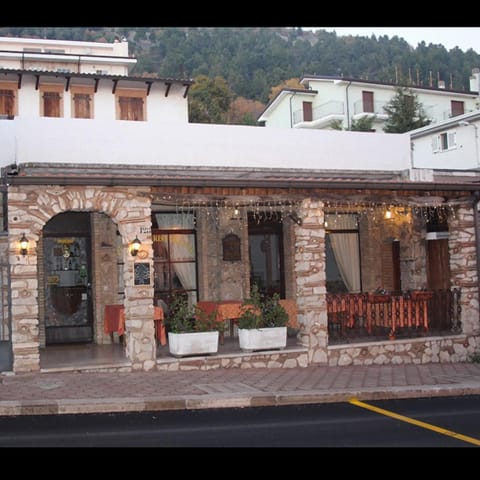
point(174, 255)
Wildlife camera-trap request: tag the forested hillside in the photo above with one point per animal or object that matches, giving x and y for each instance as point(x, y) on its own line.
point(254, 60)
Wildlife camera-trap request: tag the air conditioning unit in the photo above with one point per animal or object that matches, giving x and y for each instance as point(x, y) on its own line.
point(437, 236)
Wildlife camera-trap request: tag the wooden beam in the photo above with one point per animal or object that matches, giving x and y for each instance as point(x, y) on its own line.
point(168, 84)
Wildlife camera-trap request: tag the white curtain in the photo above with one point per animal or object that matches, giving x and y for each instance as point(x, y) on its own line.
point(346, 249)
point(183, 248)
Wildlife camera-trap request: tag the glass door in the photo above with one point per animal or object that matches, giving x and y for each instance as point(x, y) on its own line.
point(68, 310)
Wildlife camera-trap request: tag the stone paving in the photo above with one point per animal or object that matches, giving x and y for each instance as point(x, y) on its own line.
point(89, 392)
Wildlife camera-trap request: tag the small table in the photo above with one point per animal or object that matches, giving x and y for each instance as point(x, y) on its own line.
point(114, 321)
point(225, 310)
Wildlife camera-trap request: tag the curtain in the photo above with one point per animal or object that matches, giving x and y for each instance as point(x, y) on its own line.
point(346, 249)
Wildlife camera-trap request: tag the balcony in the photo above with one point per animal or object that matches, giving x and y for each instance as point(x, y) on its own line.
point(360, 110)
point(321, 115)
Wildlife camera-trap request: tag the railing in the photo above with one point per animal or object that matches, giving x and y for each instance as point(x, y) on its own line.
point(391, 315)
point(322, 111)
point(359, 107)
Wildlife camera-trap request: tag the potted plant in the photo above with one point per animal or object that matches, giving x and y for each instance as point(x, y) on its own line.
point(191, 331)
point(262, 324)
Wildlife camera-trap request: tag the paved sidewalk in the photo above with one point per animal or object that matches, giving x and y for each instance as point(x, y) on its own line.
point(95, 392)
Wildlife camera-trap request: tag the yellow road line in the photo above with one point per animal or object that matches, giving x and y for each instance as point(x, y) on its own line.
point(428, 426)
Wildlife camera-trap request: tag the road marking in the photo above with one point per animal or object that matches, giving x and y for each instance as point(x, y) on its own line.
point(418, 423)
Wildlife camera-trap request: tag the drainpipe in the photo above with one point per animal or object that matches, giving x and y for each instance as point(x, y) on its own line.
point(291, 113)
point(348, 107)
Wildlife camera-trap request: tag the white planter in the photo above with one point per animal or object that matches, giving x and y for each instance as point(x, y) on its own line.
point(195, 343)
point(262, 338)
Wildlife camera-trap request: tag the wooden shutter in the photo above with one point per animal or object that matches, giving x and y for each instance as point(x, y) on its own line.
point(307, 112)
point(368, 105)
point(435, 143)
point(7, 102)
point(458, 108)
point(131, 108)
point(51, 104)
point(81, 102)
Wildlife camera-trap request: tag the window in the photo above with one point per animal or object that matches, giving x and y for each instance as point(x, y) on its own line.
point(82, 102)
point(51, 101)
point(131, 105)
point(8, 95)
point(367, 99)
point(307, 112)
point(444, 141)
point(174, 256)
point(342, 253)
point(265, 245)
point(458, 108)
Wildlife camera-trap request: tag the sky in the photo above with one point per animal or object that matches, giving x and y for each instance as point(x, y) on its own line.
point(450, 37)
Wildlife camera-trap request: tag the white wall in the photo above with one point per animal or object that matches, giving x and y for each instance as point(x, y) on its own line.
point(80, 141)
point(463, 157)
point(160, 108)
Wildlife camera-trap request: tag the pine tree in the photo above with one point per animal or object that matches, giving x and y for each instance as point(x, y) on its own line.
point(404, 112)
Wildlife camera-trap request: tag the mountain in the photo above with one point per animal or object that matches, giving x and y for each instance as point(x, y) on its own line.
point(254, 59)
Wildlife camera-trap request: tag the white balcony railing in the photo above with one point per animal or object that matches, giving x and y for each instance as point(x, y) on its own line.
point(325, 110)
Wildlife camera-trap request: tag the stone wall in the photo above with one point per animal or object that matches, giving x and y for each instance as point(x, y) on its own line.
point(455, 348)
point(29, 208)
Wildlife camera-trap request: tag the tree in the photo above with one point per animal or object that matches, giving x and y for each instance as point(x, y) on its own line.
point(363, 124)
point(244, 111)
point(404, 112)
point(209, 100)
point(290, 83)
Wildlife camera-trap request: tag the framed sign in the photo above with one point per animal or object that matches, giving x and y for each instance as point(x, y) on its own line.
point(231, 248)
point(141, 273)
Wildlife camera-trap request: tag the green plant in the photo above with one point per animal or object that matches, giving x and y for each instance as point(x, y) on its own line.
point(262, 312)
point(475, 357)
point(185, 318)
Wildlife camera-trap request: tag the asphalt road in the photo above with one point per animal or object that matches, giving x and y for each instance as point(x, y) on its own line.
point(433, 422)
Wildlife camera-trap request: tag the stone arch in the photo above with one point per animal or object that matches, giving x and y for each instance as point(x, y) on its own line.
point(29, 208)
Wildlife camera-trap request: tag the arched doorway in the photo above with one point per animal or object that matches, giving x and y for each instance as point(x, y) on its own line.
point(67, 284)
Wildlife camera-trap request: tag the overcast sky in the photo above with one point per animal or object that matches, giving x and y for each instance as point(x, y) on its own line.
point(450, 37)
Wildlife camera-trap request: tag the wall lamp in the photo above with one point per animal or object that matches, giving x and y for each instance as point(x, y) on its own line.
point(23, 245)
point(135, 246)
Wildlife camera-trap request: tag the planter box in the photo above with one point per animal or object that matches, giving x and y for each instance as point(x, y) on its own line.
point(262, 338)
point(195, 343)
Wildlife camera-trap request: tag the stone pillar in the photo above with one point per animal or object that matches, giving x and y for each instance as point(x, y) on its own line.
point(463, 265)
point(311, 281)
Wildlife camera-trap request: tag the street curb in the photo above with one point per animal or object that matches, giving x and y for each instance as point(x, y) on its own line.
point(225, 400)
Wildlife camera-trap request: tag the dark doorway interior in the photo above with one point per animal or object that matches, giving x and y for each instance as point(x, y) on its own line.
point(67, 287)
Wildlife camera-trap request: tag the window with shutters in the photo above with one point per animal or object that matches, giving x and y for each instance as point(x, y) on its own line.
point(458, 108)
point(307, 112)
point(51, 101)
point(131, 105)
point(8, 96)
point(444, 141)
point(82, 102)
point(367, 100)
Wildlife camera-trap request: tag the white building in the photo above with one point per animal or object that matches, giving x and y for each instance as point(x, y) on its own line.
point(328, 98)
point(83, 80)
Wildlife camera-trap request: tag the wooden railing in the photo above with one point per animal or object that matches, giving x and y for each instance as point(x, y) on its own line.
point(410, 313)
